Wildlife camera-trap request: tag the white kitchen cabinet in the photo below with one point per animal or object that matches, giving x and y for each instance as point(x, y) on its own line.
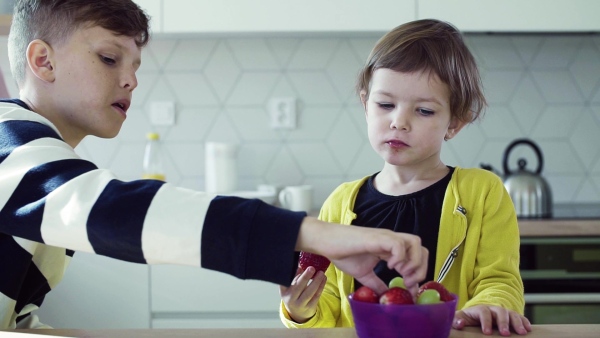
point(189, 297)
point(515, 15)
point(154, 9)
point(189, 289)
point(235, 16)
point(288, 16)
point(98, 292)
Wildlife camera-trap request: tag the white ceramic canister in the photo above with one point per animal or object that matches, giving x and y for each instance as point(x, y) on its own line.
point(220, 167)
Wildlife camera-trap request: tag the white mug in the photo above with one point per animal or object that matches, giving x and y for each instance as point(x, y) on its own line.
point(297, 198)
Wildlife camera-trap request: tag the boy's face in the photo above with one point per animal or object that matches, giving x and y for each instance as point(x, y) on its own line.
point(408, 116)
point(94, 79)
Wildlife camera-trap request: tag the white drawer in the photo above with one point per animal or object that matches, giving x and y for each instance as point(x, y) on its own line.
point(99, 292)
point(188, 289)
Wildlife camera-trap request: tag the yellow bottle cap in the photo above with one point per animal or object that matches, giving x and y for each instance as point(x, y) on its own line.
point(152, 136)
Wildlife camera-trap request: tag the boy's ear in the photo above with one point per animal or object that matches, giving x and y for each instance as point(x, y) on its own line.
point(39, 59)
point(454, 127)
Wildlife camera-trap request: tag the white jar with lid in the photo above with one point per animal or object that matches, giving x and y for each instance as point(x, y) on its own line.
point(220, 167)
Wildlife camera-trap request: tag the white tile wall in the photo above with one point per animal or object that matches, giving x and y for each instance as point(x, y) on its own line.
point(545, 87)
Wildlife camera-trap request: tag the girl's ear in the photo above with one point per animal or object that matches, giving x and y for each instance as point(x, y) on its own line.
point(363, 99)
point(454, 127)
point(39, 59)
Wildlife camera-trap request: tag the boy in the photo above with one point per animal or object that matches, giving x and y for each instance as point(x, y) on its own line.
point(74, 62)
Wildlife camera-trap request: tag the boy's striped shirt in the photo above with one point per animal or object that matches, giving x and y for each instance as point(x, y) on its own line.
point(53, 203)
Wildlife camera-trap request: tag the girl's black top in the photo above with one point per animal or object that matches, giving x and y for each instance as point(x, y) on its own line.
point(417, 213)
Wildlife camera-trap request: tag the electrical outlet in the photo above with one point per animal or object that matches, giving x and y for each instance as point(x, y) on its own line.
point(162, 113)
point(282, 111)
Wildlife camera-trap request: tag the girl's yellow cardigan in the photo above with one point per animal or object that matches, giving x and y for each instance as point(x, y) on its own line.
point(477, 252)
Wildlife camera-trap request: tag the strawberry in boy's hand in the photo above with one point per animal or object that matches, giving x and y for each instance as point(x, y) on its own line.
point(307, 259)
point(365, 294)
point(445, 295)
point(396, 295)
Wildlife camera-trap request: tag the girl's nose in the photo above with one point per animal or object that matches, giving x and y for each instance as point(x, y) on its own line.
point(400, 119)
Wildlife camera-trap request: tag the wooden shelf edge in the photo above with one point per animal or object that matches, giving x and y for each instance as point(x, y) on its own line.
point(559, 227)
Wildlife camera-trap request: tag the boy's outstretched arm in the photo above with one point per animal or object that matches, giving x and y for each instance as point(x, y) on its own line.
point(49, 195)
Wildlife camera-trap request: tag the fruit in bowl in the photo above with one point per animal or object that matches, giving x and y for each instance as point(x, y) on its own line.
point(444, 294)
point(397, 315)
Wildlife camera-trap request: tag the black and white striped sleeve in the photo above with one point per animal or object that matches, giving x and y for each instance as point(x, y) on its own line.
point(50, 195)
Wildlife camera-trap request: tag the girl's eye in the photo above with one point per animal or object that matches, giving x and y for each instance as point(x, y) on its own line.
point(387, 106)
point(425, 112)
point(107, 60)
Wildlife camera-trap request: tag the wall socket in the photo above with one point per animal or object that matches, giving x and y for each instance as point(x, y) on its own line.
point(162, 113)
point(282, 112)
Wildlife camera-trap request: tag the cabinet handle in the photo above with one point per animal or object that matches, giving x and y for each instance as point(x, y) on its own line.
point(562, 298)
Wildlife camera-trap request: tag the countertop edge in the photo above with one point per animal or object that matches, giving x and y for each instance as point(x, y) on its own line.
point(546, 331)
point(559, 227)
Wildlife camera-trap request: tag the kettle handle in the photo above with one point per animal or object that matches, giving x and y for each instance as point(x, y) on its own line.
point(517, 142)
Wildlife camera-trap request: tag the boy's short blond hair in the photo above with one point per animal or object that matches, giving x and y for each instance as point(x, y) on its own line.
point(433, 46)
point(53, 21)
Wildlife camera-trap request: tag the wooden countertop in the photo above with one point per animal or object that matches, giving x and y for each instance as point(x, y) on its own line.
point(559, 227)
point(569, 220)
point(539, 331)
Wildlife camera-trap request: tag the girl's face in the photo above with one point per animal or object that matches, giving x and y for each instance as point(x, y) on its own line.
point(408, 117)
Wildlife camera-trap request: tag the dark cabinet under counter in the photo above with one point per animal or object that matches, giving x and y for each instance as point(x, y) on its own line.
point(561, 271)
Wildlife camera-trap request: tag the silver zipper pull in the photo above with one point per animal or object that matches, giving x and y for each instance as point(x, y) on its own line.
point(462, 210)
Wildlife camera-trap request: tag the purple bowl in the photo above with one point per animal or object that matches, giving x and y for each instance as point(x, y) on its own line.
point(403, 321)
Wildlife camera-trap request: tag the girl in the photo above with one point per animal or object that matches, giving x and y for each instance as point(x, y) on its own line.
point(419, 88)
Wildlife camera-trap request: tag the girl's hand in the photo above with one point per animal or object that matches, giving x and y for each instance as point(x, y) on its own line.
point(488, 315)
point(302, 297)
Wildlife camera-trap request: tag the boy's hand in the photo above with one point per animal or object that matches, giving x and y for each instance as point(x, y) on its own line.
point(488, 315)
point(356, 250)
point(301, 298)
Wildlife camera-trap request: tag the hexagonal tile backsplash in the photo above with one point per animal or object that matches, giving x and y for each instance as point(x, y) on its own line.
point(545, 87)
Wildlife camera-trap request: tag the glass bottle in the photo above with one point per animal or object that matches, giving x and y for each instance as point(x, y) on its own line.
point(153, 158)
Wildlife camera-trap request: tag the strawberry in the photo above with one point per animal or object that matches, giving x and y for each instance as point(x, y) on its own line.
point(365, 294)
point(396, 295)
point(307, 259)
point(445, 295)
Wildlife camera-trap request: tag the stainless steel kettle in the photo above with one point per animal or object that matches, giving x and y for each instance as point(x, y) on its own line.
point(528, 190)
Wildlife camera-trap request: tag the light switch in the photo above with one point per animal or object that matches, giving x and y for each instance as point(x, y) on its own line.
point(162, 113)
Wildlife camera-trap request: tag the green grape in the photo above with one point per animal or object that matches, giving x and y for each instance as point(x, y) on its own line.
point(429, 296)
point(397, 282)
